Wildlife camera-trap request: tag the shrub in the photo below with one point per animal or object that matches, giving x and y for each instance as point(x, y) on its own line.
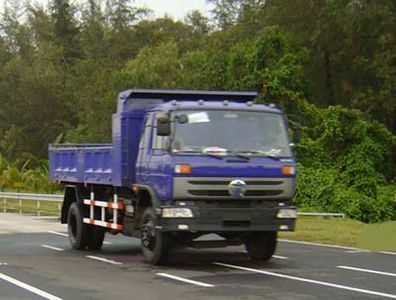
point(346, 162)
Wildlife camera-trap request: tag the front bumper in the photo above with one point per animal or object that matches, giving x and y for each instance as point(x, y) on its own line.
point(211, 218)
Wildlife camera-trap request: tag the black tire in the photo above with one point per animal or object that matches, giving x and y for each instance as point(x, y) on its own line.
point(155, 244)
point(96, 237)
point(78, 231)
point(261, 246)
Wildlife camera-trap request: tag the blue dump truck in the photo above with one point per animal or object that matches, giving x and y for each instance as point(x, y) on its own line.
point(182, 164)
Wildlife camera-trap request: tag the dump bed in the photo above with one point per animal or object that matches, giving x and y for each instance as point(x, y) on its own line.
point(81, 163)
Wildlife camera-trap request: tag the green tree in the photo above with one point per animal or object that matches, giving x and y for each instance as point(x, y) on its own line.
point(155, 67)
point(121, 16)
point(199, 23)
point(93, 31)
point(66, 31)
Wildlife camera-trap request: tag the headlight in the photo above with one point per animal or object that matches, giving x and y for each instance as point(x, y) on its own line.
point(174, 212)
point(287, 213)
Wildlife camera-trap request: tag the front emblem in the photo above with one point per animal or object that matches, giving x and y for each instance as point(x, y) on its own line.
point(237, 188)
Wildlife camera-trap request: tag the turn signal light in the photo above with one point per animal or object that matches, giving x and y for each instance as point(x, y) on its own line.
point(288, 170)
point(183, 169)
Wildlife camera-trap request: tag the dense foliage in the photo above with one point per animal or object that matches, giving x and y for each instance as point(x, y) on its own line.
point(331, 65)
point(30, 175)
point(345, 165)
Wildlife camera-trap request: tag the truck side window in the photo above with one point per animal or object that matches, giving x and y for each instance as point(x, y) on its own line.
point(159, 142)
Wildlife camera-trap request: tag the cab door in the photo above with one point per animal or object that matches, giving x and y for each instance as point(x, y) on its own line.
point(159, 170)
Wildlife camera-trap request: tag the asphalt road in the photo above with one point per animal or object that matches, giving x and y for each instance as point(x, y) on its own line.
point(36, 262)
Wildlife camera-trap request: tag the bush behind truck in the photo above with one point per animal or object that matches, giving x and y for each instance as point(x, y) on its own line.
point(182, 164)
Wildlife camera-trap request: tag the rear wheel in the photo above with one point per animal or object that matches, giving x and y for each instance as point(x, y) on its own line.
point(96, 237)
point(78, 231)
point(261, 246)
point(155, 244)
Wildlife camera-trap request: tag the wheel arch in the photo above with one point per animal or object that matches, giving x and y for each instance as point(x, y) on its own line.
point(146, 197)
point(71, 195)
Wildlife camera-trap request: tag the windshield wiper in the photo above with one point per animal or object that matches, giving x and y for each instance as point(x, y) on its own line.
point(212, 155)
point(200, 152)
point(238, 154)
point(268, 154)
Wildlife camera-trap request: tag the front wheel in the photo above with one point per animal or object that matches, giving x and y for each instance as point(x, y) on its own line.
point(78, 231)
point(261, 246)
point(155, 244)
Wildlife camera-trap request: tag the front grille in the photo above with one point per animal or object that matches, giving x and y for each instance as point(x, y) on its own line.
point(255, 193)
point(226, 183)
point(212, 193)
point(217, 188)
point(221, 193)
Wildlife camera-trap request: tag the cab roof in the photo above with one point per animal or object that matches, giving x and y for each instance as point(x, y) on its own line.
point(210, 105)
point(141, 98)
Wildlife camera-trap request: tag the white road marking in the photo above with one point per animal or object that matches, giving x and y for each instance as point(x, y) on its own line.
point(103, 260)
point(357, 251)
point(352, 249)
point(320, 245)
point(52, 248)
point(58, 233)
point(367, 270)
point(387, 252)
point(279, 257)
point(328, 284)
point(66, 235)
point(185, 280)
point(28, 287)
point(3, 264)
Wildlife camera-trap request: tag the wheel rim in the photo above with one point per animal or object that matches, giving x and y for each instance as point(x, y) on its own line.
point(148, 234)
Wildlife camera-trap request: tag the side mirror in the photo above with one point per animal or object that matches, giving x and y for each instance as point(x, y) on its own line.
point(163, 126)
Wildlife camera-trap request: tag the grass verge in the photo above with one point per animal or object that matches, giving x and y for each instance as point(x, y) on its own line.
point(345, 232)
point(30, 207)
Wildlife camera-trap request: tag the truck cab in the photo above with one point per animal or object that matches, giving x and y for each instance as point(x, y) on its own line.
point(184, 164)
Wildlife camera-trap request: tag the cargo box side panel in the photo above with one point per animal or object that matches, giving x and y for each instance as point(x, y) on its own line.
point(83, 164)
point(64, 164)
point(97, 165)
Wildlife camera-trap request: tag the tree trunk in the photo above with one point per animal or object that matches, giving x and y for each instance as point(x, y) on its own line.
point(328, 79)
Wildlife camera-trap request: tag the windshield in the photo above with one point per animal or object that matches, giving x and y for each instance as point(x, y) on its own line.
point(217, 131)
